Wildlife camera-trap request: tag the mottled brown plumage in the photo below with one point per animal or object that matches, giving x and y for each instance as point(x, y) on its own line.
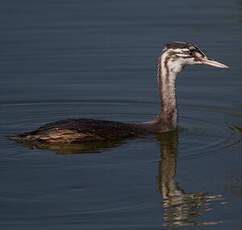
point(82, 130)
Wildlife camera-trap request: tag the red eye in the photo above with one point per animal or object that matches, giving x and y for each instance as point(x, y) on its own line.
point(191, 52)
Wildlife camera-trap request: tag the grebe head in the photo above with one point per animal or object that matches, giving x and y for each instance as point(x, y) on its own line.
point(176, 55)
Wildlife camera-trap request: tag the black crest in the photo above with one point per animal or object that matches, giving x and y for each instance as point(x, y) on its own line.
point(184, 45)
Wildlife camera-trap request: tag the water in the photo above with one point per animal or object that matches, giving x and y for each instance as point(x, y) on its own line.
point(96, 59)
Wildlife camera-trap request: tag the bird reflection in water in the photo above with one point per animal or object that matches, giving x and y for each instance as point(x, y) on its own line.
point(180, 208)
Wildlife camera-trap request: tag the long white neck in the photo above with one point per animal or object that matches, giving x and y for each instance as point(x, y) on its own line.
point(166, 78)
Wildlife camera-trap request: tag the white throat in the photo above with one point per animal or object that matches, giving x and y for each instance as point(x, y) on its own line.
point(166, 76)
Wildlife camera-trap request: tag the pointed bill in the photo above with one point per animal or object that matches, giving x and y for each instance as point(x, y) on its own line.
point(214, 63)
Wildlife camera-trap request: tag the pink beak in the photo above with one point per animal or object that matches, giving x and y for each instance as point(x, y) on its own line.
point(211, 62)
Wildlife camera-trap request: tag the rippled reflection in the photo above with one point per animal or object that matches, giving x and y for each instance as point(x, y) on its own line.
point(180, 207)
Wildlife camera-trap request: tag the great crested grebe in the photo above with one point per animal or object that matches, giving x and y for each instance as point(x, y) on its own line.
point(172, 60)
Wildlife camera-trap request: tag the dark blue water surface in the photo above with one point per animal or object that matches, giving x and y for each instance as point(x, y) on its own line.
point(97, 59)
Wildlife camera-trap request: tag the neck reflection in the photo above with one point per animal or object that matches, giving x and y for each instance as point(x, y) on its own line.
point(180, 208)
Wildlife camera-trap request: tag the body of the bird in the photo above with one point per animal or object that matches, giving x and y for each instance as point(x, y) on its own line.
point(171, 61)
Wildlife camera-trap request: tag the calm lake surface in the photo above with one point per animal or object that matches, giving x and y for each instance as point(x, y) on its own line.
point(97, 59)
